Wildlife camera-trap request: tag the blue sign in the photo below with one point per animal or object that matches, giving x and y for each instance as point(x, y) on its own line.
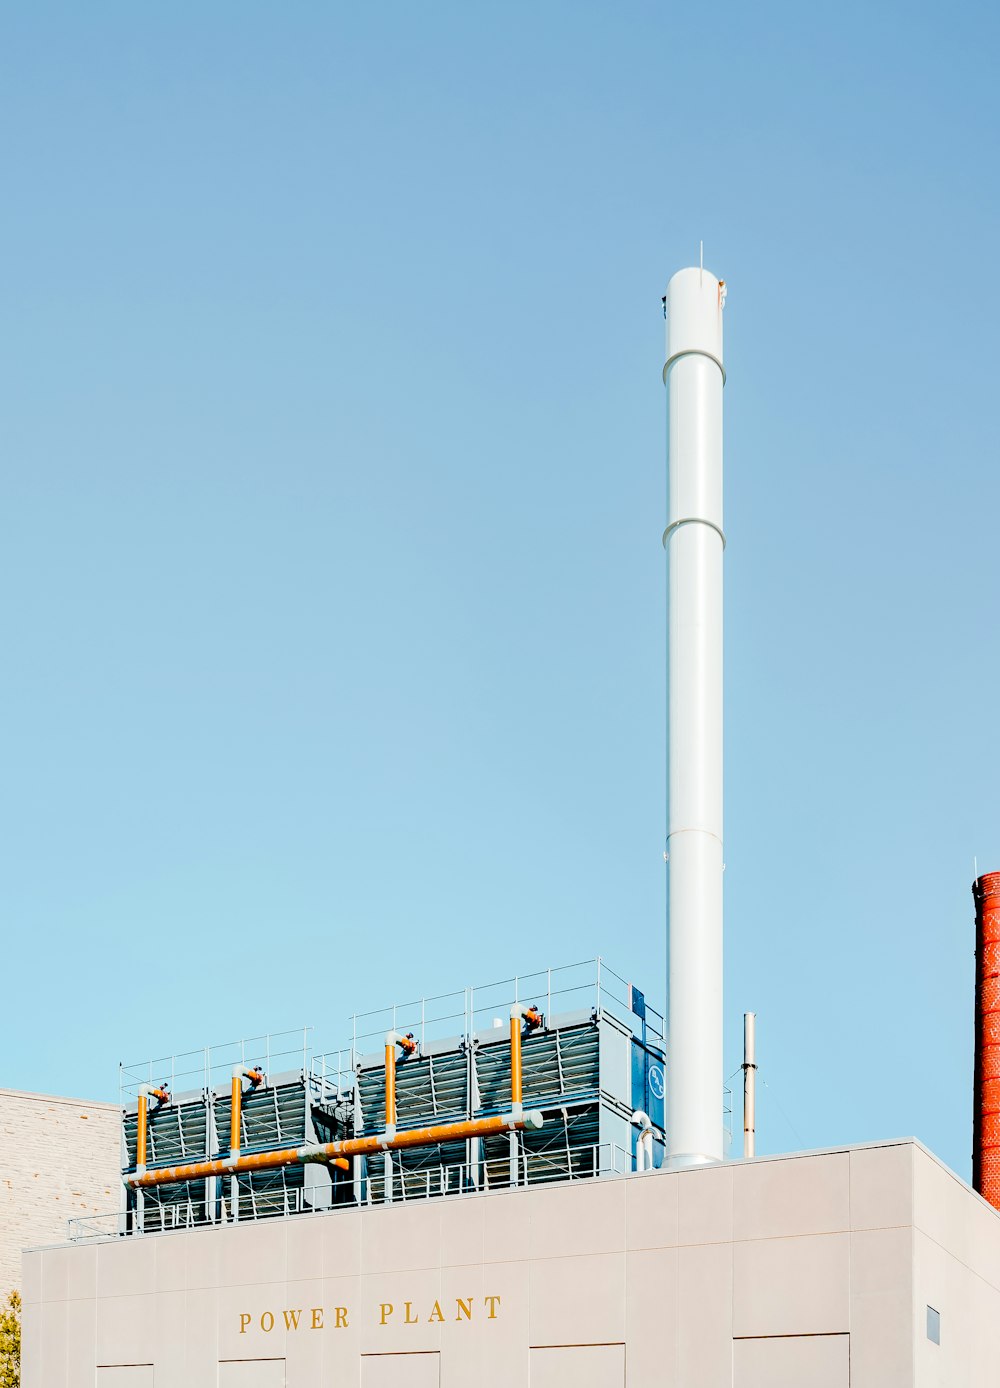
point(648, 1083)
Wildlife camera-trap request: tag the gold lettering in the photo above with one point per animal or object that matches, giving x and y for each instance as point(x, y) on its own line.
point(317, 1318)
point(463, 1308)
point(386, 1312)
point(341, 1322)
point(245, 1319)
point(492, 1302)
point(437, 1314)
point(267, 1316)
point(407, 1318)
point(292, 1319)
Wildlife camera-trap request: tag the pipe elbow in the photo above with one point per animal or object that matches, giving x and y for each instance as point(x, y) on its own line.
point(642, 1120)
point(153, 1091)
point(407, 1043)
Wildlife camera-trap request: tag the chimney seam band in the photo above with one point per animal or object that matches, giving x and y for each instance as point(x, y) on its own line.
point(693, 520)
point(692, 352)
point(694, 829)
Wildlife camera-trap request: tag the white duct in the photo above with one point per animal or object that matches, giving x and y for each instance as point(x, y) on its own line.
point(644, 1141)
point(694, 377)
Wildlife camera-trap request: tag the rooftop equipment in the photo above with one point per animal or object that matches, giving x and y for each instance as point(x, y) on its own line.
point(694, 540)
point(447, 1099)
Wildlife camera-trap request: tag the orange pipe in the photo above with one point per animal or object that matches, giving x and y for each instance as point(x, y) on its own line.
point(516, 1076)
point(235, 1123)
point(337, 1152)
point(534, 1019)
point(424, 1137)
point(140, 1132)
point(390, 1084)
point(986, 1097)
point(409, 1045)
point(225, 1166)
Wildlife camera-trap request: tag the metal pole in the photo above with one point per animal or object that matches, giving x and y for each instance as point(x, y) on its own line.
point(749, 1083)
point(694, 542)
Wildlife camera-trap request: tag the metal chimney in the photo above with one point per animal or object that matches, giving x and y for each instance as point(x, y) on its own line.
point(986, 1092)
point(694, 540)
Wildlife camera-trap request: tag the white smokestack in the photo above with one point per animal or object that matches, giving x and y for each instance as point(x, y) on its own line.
point(694, 541)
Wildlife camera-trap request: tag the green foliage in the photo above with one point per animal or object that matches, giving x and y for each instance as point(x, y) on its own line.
point(10, 1342)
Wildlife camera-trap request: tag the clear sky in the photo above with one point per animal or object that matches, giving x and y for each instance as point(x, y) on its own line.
point(331, 585)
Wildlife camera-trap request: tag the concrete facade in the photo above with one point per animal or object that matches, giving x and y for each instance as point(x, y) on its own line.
point(58, 1158)
point(812, 1271)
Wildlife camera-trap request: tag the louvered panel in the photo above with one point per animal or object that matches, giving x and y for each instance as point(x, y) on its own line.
point(270, 1194)
point(429, 1089)
point(571, 1069)
point(174, 1133)
point(420, 1171)
point(556, 1152)
point(271, 1116)
point(557, 1064)
point(179, 1205)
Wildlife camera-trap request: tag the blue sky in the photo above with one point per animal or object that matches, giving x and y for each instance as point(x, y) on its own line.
point(331, 587)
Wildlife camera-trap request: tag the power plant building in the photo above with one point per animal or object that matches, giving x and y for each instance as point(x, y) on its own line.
point(872, 1267)
point(556, 1248)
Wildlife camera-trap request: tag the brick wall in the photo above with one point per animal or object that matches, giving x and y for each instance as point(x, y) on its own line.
point(58, 1158)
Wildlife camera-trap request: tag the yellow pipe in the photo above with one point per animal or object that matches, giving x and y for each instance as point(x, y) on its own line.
point(390, 1084)
point(140, 1132)
point(534, 1019)
point(409, 1045)
point(336, 1153)
point(516, 1078)
point(225, 1166)
point(235, 1116)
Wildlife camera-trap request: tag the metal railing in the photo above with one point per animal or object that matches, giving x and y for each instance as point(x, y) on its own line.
point(588, 985)
point(463, 1178)
point(213, 1065)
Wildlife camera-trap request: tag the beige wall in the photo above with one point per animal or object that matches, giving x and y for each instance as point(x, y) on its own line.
point(956, 1269)
point(58, 1158)
point(813, 1269)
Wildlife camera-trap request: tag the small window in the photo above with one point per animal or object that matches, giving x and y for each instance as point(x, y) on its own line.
point(933, 1325)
